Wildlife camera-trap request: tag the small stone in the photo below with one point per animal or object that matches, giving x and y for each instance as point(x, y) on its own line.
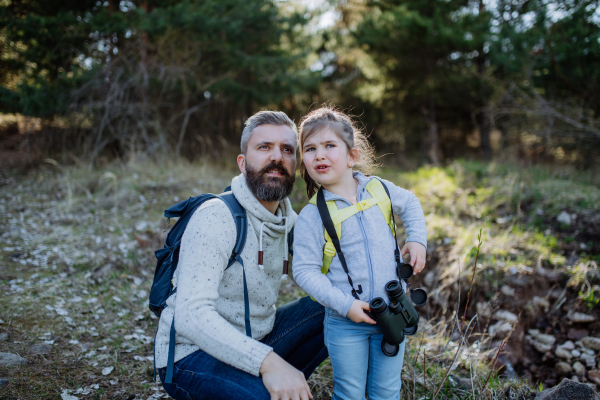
point(591, 342)
point(594, 376)
point(40, 348)
point(580, 318)
point(575, 353)
point(541, 347)
point(562, 368)
point(507, 290)
point(569, 345)
point(561, 352)
point(11, 360)
point(107, 370)
point(540, 302)
point(564, 218)
point(505, 315)
point(142, 294)
point(588, 359)
point(578, 368)
point(585, 350)
point(501, 329)
point(575, 378)
point(484, 310)
point(577, 334)
point(546, 339)
point(3, 337)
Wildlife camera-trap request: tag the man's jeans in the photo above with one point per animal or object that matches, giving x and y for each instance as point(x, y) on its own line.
point(297, 337)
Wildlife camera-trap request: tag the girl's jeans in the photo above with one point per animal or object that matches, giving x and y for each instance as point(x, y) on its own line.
point(358, 362)
point(297, 336)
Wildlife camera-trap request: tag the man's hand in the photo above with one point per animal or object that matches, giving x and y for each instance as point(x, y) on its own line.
point(418, 255)
point(283, 381)
point(357, 312)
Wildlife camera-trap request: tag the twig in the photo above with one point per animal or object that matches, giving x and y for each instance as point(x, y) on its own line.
point(473, 276)
point(448, 371)
point(424, 374)
point(461, 342)
point(492, 367)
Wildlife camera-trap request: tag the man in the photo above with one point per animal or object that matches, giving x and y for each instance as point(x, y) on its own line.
point(214, 359)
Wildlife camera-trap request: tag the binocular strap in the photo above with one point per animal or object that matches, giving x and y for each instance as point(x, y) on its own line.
point(330, 228)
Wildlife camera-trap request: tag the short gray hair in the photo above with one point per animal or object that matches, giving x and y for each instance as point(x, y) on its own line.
point(265, 118)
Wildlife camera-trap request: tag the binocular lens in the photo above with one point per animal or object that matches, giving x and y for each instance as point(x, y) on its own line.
point(393, 288)
point(418, 297)
point(389, 350)
point(411, 331)
point(378, 305)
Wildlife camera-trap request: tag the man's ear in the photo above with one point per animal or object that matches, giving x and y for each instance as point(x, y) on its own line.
point(241, 160)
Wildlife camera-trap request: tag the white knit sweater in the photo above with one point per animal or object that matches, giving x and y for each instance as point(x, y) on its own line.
point(209, 303)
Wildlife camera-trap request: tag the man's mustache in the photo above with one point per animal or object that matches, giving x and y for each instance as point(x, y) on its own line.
point(274, 166)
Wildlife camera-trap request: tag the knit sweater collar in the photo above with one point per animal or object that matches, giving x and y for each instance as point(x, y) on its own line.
point(275, 224)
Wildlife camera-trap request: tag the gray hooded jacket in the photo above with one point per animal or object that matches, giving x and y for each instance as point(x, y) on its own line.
point(367, 243)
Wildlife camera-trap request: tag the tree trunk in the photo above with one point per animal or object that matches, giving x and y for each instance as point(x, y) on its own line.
point(482, 117)
point(431, 139)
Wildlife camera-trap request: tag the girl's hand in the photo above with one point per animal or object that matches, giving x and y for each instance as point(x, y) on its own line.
point(357, 314)
point(418, 255)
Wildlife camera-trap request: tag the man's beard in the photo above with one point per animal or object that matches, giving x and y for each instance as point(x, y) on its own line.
point(270, 188)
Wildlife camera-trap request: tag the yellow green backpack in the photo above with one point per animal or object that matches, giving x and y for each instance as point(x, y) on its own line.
point(379, 196)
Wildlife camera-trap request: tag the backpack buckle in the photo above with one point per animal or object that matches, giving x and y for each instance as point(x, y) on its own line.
point(361, 205)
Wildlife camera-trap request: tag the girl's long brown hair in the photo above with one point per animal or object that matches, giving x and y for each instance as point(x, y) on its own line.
point(345, 128)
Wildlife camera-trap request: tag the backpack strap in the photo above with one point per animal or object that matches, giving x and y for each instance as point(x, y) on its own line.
point(379, 196)
point(241, 224)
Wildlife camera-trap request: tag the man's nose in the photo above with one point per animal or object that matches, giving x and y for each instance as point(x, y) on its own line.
point(276, 155)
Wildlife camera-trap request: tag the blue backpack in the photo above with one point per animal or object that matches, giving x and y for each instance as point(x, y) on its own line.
point(168, 258)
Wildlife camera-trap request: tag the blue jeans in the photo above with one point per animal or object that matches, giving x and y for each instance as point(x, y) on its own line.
point(358, 362)
point(297, 336)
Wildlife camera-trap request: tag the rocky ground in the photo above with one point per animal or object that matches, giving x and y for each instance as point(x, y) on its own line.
point(76, 264)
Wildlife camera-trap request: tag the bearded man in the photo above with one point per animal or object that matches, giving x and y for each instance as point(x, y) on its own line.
point(214, 359)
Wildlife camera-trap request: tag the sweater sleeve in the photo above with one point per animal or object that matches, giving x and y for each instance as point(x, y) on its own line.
point(309, 240)
point(406, 205)
point(206, 246)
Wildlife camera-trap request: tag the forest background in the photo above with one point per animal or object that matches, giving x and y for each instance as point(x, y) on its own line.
point(430, 80)
point(488, 110)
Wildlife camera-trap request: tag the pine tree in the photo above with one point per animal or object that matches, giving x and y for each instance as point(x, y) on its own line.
point(426, 49)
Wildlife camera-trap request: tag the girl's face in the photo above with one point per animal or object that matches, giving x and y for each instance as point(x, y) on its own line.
point(327, 159)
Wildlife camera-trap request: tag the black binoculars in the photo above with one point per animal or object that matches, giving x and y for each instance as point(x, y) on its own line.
point(399, 318)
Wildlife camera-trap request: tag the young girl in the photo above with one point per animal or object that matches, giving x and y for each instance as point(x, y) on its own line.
point(333, 152)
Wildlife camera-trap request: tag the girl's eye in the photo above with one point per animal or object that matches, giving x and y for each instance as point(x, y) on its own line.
point(330, 145)
point(309, 149)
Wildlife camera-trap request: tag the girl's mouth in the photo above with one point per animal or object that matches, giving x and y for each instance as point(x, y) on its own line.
point(322, 168)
